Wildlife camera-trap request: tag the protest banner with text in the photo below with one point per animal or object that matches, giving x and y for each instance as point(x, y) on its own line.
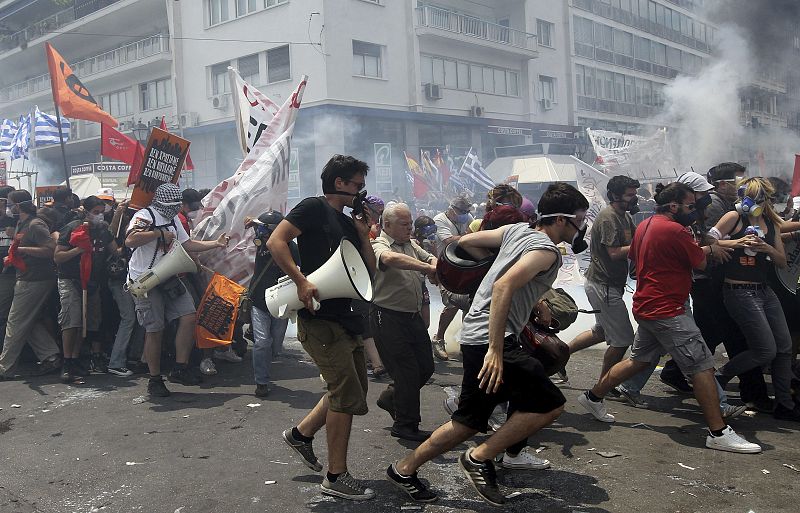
point(162, 163)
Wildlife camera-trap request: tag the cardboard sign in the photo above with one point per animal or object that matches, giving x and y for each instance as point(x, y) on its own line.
point(216, 316)
point(44, 194)
point(162, 163)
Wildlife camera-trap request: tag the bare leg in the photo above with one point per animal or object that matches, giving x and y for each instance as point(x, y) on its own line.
point(372, 353)
point(518, 427)
point(184, 338)
point(152, 352)
point(705, 391)
point(613, 356)
point(71, 340)
point(586, 339)
point(447, 316)
point(619, 373)
point(442, 440)
point(337, 427)
point(315, 419)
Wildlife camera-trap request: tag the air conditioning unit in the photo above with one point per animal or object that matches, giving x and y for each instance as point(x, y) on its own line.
point(123, 126)
point(219, 101)
point(547, 103)
point(188, 119)
point(433, 92)
point(476, 112)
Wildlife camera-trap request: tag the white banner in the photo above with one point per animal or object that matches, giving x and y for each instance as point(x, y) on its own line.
point(632, 155)
point(592, 184)
point(261, 183)
point(254, 111)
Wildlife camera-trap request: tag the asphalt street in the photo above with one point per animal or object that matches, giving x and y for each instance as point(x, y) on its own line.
point(217, 448)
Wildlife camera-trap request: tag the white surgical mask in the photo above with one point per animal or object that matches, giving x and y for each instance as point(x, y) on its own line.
point(95, 218)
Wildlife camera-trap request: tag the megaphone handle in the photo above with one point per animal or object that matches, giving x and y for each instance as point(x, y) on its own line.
point(316, 304)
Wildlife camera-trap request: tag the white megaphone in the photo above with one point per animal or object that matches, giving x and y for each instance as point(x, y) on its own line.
point(177, 260)
point(344, 275)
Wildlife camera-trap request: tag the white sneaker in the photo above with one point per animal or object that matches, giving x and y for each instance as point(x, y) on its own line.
point(228, 356)
point(730, 411)
point(207, 367)
point(523, 461)
point(598, 410)
point(731, 442)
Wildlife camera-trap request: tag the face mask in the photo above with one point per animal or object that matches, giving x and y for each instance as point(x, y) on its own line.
point(463, 218)
point(9, 213)
point(749, 206)
point(95, 218)
point(685, 219)
point(14, 211)
point(633, 205)
point(578, 243)
point(107, 209)
point(167, 211)
point(702, 203)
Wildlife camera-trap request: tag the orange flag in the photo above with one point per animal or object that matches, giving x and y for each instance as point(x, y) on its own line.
point(216, 317)
point(70, 95)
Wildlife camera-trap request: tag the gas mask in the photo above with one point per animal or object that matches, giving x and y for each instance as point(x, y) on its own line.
point(702, 203)
point(748, 205)
point(358, 200)
point(631, 206)
point(94, 219)
point(683, 218)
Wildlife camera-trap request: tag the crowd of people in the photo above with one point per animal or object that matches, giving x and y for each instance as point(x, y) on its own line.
point(716, 239)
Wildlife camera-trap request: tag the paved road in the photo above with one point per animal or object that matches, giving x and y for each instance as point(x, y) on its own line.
point(96, 447)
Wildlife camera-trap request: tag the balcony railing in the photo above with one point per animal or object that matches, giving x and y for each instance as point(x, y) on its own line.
point(131, 52)
point(434, 17)
point(52, 23)
point(764, 118)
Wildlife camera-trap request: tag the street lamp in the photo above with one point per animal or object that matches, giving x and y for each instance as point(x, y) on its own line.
point(582, 145)
point(141, 132)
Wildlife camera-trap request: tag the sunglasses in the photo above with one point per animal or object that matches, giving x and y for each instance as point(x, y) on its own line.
point(360, 185)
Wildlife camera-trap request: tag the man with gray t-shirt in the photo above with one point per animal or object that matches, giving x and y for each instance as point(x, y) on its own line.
point(496, 367)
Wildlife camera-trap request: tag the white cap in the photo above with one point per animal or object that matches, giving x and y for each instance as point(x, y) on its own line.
point(106, 193)
point(695, 181)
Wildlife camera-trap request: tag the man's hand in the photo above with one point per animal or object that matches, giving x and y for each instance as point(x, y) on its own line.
point(721, 255)
point(168, 237)
point(307, 292)
point(363, 223)
point(491, 374)
point(223, 240)
point(122, 206)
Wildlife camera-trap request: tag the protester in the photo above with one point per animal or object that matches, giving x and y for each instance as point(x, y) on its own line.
point(268, 331)
point(664, 254)
point(425, 235)
point(503, 194)
point(117, 267)
point(374, 362)
point(8, 276)
point(151, 232)
point(395, 320)
point(330, 335)
point(31, 253)
point(496, 368)
point(63, 205)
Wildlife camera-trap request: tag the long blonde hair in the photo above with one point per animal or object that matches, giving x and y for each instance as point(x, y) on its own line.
point(758, 187)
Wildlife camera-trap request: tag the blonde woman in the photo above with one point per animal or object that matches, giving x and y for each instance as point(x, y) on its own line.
point(747, 296)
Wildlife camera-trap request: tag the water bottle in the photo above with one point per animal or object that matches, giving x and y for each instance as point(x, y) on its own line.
point(752, 230)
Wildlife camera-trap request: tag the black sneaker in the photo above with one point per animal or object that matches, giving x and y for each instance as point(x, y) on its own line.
point(52, 364)
point(410, 485)
point(262, 391)
point(304, 449)
point(410, 433)
point(483, 478)
point(386, 401)
point(183, 376)
point(79, 369)
point(156, 388)
point(677, 382)
point(66, 372)
point(763, 405)
point(783, 413)
point(98, 363)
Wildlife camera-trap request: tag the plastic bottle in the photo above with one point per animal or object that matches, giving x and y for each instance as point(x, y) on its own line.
point(751, 230)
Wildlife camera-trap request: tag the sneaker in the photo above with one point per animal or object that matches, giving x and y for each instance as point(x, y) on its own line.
point(227, 356)
point(483, 478)
point(347, 487)
point(98, 363)
point(386, 401)
point(120, 371)
point(631, 399)
point(730, 411)
point(184, 377)
point(52, 364)
point(497, 419)
point(207, 367)
point(78, 368)
point(783, 413)
point(439, 350)
point(410, 485)
point(523, 461)
point(66, 372)
point(156, 388)
point(677, 382)
point(451, 404)
point(304, 449)
point(731, 442)
point(262, 391)
point(561, 377)
point(410, 433)
point(598, 410)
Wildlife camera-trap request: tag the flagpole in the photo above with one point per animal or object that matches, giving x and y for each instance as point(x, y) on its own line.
point(61, 140)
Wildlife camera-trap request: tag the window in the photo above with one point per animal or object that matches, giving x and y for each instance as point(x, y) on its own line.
point(426, 63)
point(272, 3)
point(623, 43)
point(217, 11)
point(476, 76)
point(463, 75)
point(220, 83)
point(547, 88)
point(450, 79)
point(673, 58)
point(500, 81)
point(117, 103)
point(438, 71)
point(244, 7)
point(544, 33)
point(630, 90)
point(619, 87)
point(513, 85)
point(367, 59)
point(155, 94)
point(249, 69)
point(583, 30)
point(642, 48)
point(278, 64)
point(602, 36)
point(659, 54)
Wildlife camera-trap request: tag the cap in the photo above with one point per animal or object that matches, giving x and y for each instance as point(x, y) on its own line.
point(106, 193)
point(461, 203)
point(695, 181)
point(725, 171)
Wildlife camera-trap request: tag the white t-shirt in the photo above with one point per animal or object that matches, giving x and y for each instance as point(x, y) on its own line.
point(445, 228)
point(143, 255)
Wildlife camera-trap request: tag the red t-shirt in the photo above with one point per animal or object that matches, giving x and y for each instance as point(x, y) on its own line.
point(665, 254)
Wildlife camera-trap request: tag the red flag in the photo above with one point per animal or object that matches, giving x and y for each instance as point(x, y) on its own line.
point(80, 238)
point(136, 165)
point(444, 170)
point(796, 177)
point(116, 145)
point(14, 259)
point(188, 165)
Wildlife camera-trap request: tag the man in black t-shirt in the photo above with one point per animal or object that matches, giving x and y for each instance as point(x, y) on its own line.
point(331, 335)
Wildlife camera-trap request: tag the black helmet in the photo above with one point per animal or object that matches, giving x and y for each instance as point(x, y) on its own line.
point(270, 218)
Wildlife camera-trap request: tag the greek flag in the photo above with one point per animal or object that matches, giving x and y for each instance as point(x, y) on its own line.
point(8, 129)
point(19, 146)
point(46, 129)
point(472, 170)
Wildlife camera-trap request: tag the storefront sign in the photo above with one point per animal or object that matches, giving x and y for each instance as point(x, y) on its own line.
point(98, 168)
point(383, 167)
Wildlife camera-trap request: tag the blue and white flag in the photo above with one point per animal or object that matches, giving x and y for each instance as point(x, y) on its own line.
point(472, 171)
point(8, 129)
point(46, 129)
point(19, 146)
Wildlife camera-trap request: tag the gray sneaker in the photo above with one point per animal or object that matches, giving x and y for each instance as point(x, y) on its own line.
point(730, 411)
point(347, 487)
point(304, 449)
point(629, 398)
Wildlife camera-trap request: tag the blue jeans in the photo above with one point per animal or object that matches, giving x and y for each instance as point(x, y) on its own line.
point(760, 317)
point(268, 333)
point(127, 323)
